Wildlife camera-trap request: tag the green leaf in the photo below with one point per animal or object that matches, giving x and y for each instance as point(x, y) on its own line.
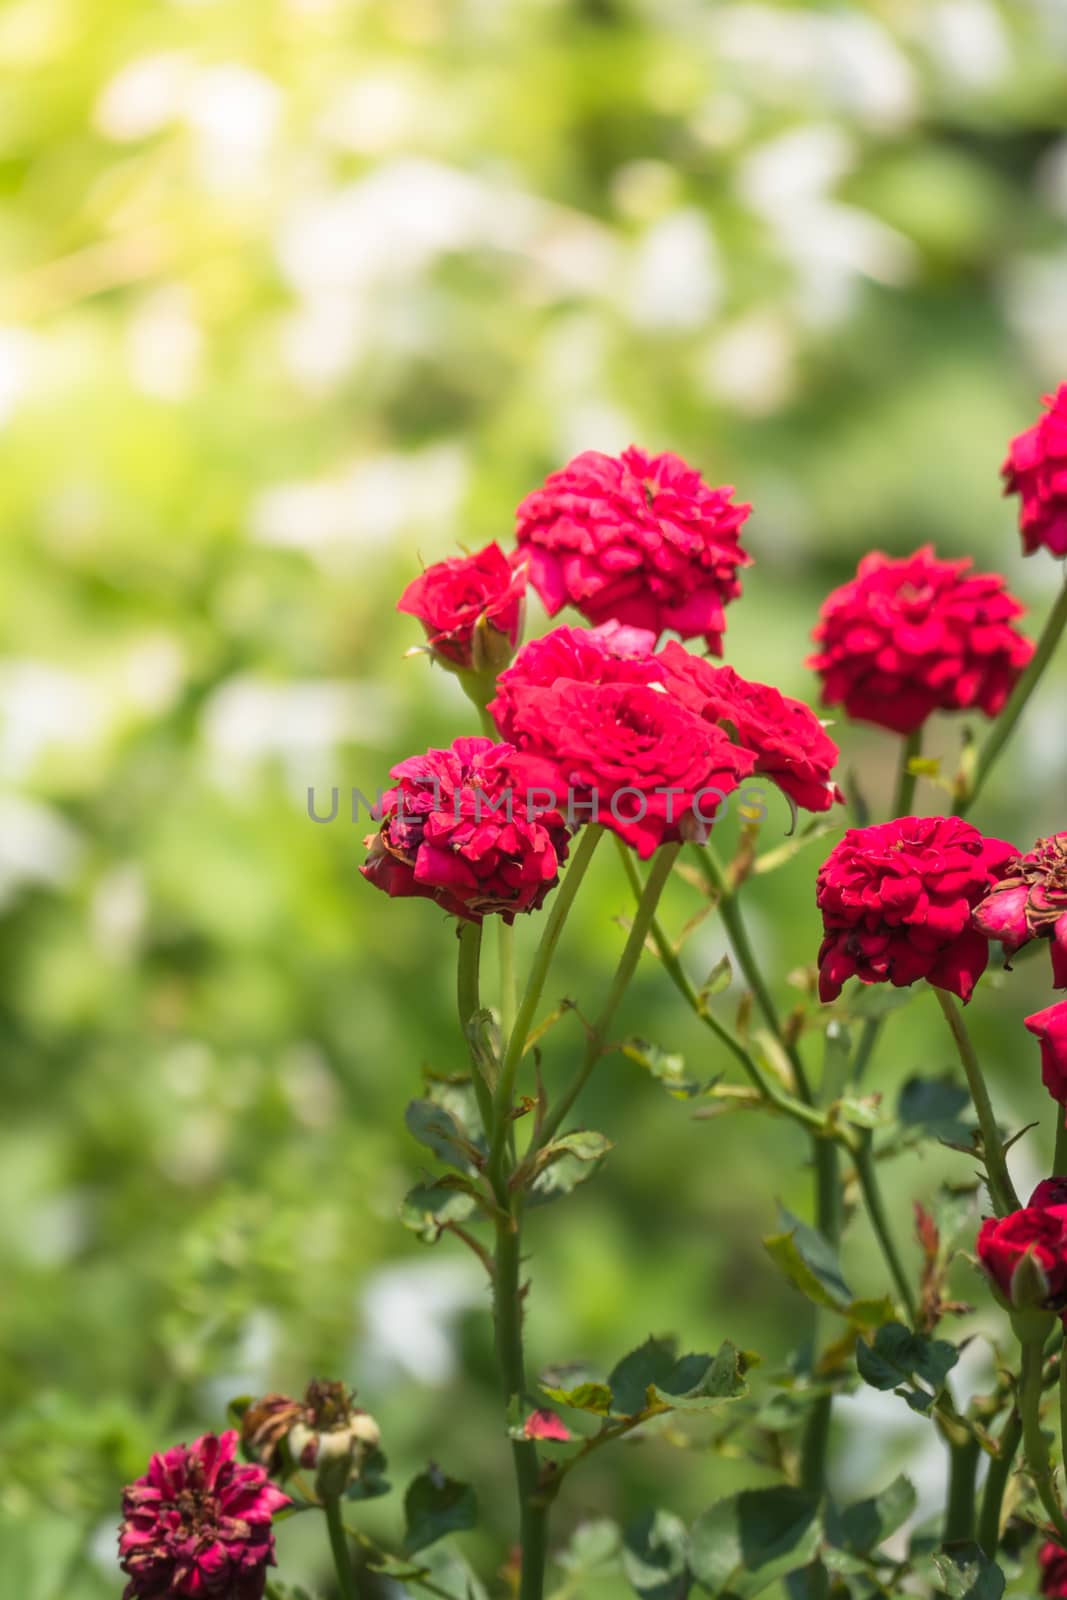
point(897, 1357)
point(435, 1505)
point(929, 1108)
point(436, 1128)
point(588, 1396)
point(593, 1549)
point(966, 1573)
point(655, 1554)
point(650, 1366)
point(566, 1163)
point(810, 1263)
point(430, 1207)
point(697, 1383)
point(867, 1001)
point(370, 1483)
point(874, 1313)
point(753, 1539)
point(669, 1070)
point(866, 1524)
point(718, 979)
point(449, 1572)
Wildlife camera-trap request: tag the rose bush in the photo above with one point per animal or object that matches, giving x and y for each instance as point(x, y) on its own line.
point(612, 730)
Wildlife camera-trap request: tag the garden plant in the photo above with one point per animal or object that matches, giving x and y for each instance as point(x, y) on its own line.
point(620, 732)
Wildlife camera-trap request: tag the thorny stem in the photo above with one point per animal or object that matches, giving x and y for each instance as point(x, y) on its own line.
point(1035, 1443)
point(506, 1278)
point(960, 1506)
point(1001, 1188)
point(996, 1482)
point(507, 1299)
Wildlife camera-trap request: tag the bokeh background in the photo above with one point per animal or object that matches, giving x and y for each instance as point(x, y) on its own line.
point(297, 293)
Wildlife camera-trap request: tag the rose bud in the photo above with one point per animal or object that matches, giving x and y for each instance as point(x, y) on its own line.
point(1025, 1257)
point(1050, 1027)
point(1036, 470)
point(1052, 1566)
point(471, 609)
point(334, 1436)
point(1049, 1192)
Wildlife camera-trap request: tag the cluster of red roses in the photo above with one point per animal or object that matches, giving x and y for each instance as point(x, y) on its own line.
point(600, 725)
point(640, 545)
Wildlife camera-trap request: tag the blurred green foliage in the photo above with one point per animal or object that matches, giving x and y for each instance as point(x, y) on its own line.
point(295, 294)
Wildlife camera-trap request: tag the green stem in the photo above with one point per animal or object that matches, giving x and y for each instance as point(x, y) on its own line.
point(824, 1155)
point(1004, 726)
point(904, 793)
point(342, 1558)
point(505, 947)
point(468, 1004)
point(561, 905)
point(734, 922)
point(1035, 1443)
point(1001, 1188)
point(768, 1091)
point(507, 1302)
point(866, 1047)
point(872, 1195)
point(1059, 1159)
point(662, 867)
point(828, 1217)
point(996, 1482)
point(960, 1507)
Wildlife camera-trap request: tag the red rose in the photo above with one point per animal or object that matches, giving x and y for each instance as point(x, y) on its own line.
point(1030, 902)
point(905, 638)
point(458, 829)
point(1052, 1563)
point(627, 755)
point(586, 655)
point(1025, 1256)
point(1050, 1026)
point(637, 539)
point(897, 899)
point(1049, 1192)
point(471, 608)
point(198, 1524)
point(1036, 470)
point(790, 744)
